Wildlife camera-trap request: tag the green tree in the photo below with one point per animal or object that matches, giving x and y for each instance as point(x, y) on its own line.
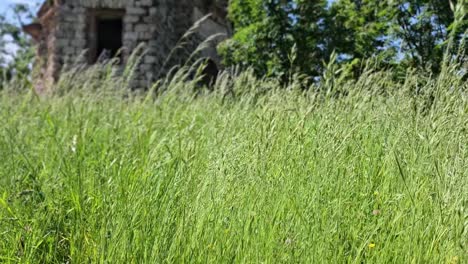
point(16, 52)
point(359, 29)
point(309, 35)
point(280, 37)
point(276, 37)
point(424, 27)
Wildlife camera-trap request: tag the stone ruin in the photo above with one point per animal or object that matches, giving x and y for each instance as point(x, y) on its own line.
point(66, 30)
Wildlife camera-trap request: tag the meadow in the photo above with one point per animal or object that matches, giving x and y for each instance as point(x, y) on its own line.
point(372, 170)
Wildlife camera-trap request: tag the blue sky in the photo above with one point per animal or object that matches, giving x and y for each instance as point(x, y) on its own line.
point(4, 4)
point(4, 9)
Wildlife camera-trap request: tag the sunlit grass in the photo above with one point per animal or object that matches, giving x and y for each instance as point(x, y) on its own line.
point(250, 173)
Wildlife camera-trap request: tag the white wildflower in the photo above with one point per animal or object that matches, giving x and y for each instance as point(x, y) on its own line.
point(74, 143)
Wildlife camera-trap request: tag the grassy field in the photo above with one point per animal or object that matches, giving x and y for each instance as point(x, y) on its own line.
point(261, 174)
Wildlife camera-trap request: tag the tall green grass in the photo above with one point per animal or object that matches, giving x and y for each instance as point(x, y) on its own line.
point(366, 171)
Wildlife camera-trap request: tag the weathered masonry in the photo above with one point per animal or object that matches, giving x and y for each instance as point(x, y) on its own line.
point(66, 29)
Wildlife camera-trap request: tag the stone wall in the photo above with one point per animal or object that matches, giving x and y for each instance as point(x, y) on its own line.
point(47, 62)
point(160, 24)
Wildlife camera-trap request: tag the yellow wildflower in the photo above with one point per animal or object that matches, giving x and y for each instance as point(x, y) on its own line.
point(454, 260)
point(371, 245)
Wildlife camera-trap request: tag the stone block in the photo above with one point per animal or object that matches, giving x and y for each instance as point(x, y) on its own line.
point(142, 28)
point(136, 11)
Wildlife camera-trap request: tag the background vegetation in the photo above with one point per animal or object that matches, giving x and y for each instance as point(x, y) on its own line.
point(306, 150)
point(16, 50)
point(277, 37)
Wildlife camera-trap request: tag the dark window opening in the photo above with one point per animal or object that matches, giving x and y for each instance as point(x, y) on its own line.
point(105, 34)
point(109, 37)
point(210, 73)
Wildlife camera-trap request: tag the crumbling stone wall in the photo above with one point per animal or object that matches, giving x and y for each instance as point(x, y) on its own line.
point(66, 32)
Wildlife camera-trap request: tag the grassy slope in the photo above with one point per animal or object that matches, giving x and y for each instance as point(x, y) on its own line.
point(289, 178)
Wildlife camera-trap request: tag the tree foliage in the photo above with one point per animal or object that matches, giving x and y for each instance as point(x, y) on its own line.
point(424, 26)
point(277, 37)
point(16, 52)
point(271, 35)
